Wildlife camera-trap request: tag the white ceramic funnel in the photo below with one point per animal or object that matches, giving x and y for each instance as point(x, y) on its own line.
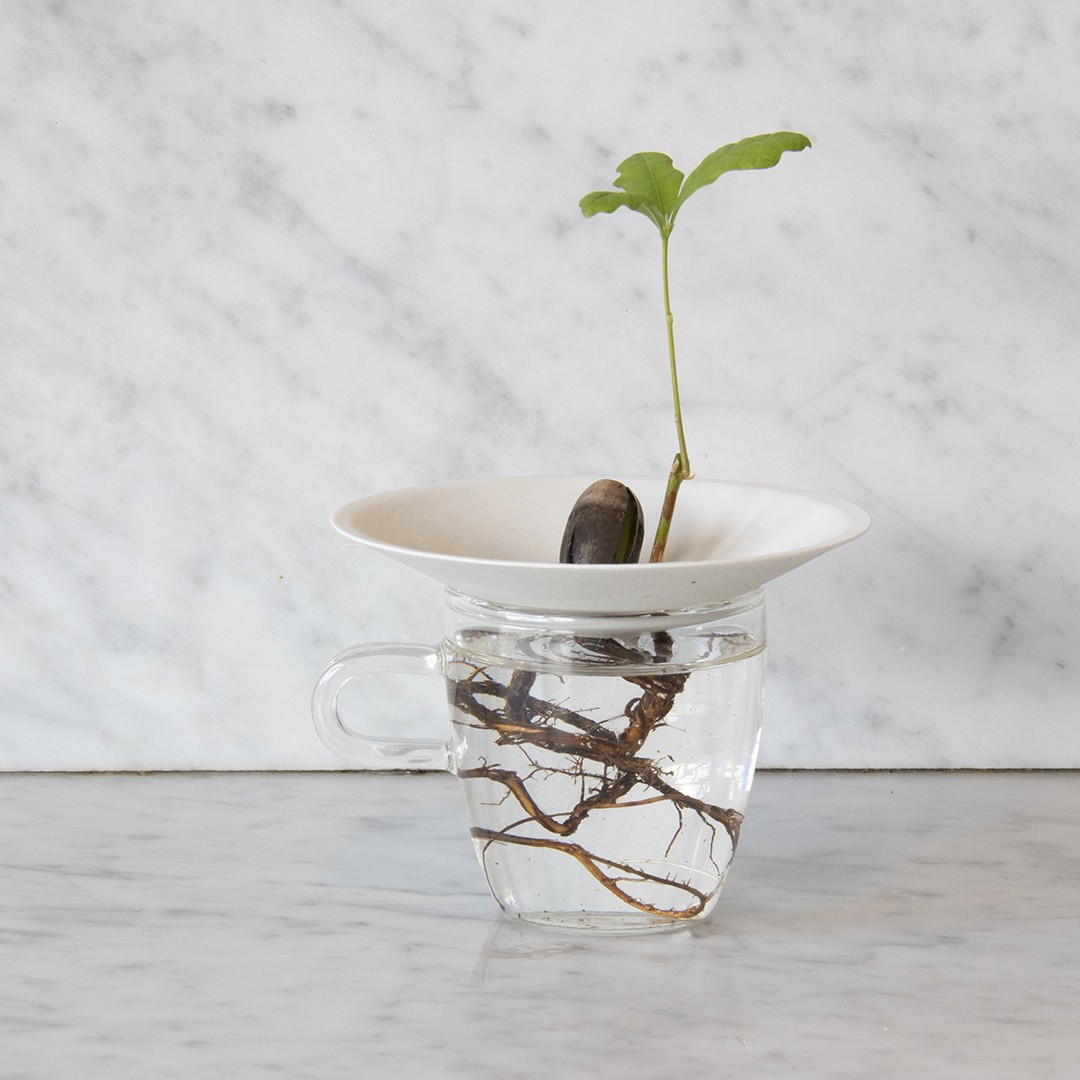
point(498, 540)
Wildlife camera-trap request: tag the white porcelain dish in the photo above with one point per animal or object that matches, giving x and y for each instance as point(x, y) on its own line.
point(498, 539)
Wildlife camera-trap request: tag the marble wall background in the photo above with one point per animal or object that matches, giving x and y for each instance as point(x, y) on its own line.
point(263, 257)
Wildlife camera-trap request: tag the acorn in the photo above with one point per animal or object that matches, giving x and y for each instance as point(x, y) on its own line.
point(605, 526)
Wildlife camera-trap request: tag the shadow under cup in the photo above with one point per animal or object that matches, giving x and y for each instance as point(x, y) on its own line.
point(605, 760)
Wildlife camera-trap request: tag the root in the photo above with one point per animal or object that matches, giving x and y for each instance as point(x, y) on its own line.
point(610, 770)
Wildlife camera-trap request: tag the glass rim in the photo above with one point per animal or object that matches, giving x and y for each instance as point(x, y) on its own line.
point(609, 624)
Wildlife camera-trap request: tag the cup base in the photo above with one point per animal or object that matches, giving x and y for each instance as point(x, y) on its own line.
point(603, 922)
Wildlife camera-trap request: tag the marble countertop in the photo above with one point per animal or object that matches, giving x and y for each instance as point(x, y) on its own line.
point(315, 926)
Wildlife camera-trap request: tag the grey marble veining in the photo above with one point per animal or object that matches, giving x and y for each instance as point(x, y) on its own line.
point(321, 926)
point(261, 258)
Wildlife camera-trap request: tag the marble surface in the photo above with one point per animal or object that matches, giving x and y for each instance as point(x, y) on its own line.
point(336, 925)
point(261, 258)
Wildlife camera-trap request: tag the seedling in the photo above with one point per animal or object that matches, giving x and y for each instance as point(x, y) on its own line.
point(650, 184)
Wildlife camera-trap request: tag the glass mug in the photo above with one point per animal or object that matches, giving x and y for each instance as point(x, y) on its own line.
point(605, 760)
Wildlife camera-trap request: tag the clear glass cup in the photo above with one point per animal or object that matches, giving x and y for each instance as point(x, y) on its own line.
point(605, 760)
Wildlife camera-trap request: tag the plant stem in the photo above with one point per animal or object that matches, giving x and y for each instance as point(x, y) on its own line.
point(671, 493)
point(680, 468)
point(665, 233)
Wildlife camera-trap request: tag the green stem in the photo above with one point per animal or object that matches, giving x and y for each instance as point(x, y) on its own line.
point(664, 235)
point(680, 467)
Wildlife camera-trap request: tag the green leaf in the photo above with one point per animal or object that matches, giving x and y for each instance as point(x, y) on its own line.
point(607, 202)
point(756, 152)
point(653, 178)
point(650, 185)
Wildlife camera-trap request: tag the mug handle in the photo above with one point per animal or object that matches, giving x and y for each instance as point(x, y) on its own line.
point(374, 751)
